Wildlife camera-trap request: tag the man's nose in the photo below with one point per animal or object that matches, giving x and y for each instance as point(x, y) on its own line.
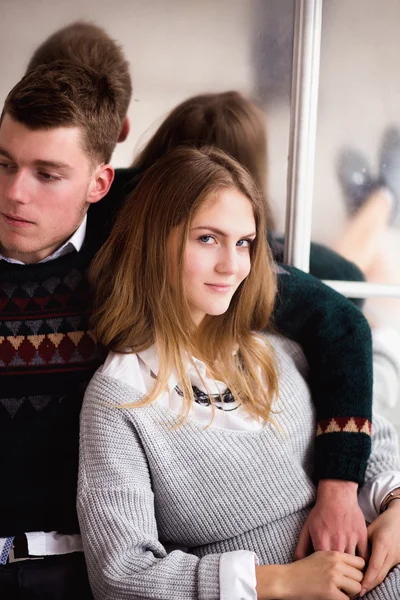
point(17, 187)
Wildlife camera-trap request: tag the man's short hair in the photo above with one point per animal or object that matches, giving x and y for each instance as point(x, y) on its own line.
point(92, 46)
point(68, 94)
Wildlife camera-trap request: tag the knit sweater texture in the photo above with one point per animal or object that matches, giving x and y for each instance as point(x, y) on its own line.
point(146, 486)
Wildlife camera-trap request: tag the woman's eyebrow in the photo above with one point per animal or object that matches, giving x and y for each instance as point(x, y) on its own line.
point(220, 232)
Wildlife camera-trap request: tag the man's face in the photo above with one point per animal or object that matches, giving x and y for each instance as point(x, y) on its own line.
point(47, 183)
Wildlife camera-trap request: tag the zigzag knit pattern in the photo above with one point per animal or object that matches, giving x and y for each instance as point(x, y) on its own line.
point(47, 349)
point(345, 424)
point(41, 327)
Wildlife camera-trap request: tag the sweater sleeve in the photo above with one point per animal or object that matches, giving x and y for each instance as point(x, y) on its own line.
point(385, 453)
point(325, 263)
point(336, 340)
point(124, 556)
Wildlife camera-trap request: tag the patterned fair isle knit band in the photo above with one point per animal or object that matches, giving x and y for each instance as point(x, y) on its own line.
point(345, 425)
point(71, 347)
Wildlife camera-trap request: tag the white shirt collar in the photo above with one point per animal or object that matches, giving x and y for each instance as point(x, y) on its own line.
point(150, 358)
point(75, 242)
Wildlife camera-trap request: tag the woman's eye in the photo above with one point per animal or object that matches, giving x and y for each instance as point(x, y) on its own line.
point(207, 239)
point(244, 243)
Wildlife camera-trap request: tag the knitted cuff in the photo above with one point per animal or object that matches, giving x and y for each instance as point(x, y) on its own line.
point(209, 577)
point(341, 455)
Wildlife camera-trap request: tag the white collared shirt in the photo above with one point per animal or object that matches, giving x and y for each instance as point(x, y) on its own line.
point(75, 242)
point(230, 416)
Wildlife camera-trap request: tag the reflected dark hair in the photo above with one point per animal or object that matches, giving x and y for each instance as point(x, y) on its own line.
point(226, 120)
point(90, 45)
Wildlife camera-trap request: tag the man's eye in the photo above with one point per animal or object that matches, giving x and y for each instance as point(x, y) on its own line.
point(6, 166)
point(48, 177)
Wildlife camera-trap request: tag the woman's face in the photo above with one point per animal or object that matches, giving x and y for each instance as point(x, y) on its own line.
point(217, 253)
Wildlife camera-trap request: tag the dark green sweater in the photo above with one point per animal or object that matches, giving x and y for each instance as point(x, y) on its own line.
point(324, 263)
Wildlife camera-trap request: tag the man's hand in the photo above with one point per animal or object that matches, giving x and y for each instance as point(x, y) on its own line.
point(336, 521)
point(384, 535)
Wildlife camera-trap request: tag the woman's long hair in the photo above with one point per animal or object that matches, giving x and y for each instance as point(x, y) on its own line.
point(226, 120)
point(135, 305)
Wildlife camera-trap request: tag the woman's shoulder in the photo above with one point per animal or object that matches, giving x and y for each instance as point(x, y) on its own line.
point(122, 366)
point(286, 351)
point(120, 380)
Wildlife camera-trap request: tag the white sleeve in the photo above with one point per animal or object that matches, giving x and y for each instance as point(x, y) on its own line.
point(382, 474)
point(386, 347)
point(374, 491)
point(237, 575)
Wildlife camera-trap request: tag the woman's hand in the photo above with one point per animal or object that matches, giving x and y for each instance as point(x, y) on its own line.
point(321, 576)
point(384, 535)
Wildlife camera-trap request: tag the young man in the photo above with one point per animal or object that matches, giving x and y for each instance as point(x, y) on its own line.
point(58, 129)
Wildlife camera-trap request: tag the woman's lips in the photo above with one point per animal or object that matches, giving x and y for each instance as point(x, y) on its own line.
point(220, 288)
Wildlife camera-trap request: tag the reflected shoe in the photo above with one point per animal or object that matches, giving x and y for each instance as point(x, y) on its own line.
point(355, 178)
point(389, 169)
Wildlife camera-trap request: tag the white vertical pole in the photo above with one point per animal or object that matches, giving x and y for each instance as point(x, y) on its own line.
point(303, 128)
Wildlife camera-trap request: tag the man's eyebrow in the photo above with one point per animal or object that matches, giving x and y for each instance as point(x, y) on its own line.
point(220, 232)
point(52, 164)
point(6, 154)
point(44, 164)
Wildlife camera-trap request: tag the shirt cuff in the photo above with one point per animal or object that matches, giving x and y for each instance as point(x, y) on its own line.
point(237, 575)
point(374, 492)
point(386, 346)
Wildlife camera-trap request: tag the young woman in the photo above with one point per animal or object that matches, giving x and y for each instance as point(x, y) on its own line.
point(234, 124)
point(197, 434)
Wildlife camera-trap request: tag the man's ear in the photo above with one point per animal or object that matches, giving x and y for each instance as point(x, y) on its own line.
point(101, 183)
point(126, 127)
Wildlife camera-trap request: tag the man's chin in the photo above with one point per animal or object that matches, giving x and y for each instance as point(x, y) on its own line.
point(23, 253)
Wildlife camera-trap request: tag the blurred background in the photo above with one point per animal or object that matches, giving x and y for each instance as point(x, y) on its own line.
point(178, 48)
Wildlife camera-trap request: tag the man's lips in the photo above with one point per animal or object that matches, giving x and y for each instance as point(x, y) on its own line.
point(16, 221)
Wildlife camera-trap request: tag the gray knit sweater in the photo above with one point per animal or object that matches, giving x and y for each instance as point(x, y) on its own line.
point(146, 487)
